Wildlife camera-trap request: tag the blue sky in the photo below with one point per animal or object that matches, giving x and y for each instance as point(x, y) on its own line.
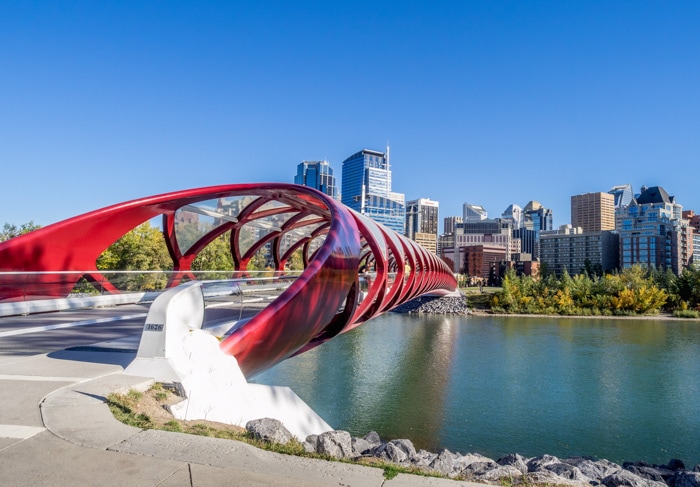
point(487, 102)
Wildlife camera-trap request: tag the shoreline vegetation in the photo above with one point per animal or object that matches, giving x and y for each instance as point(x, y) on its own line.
point(635, 292)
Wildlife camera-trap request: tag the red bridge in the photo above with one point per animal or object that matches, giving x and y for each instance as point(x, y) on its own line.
point(325, 300)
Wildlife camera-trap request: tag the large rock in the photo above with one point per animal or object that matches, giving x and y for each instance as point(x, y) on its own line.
point(546, 477)
point(675, 464)
point(626, 478)
point(657, 473)
point(406, 446)
point(461, 462)
point(595, 470)
point(373, 438)
point(311, 443)
point(537, 464)
point(685, 479)
point(337, 444)
point(650, 473)
point(514, 460)
point(391, 452)
point(500, 472)
point(567, 471)
point(476, 470)
point(269, 429)
point(423, 459)
point(444, 463)
point(360, 446)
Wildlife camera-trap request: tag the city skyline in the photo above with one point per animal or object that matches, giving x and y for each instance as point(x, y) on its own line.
point(481, 102)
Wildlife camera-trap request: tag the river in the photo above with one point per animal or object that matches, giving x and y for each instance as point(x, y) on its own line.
point(620, 389)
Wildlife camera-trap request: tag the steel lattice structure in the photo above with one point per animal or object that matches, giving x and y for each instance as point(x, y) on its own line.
point(322, 302)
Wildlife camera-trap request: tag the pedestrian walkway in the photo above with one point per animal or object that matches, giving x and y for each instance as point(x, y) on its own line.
point(56, 429)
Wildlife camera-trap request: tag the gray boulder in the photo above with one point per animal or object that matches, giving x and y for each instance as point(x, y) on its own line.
point(628, 479)
point(674, 464)
point(501, 472)
point(567, 471)
point(444, 462)
point(311, 443)
point(423, 459)
point(596, 470)
point(269, 429)
point(391, 453)
point(476, 470)
point(685, 479)
point(373, 437)
point(650, 473)
point(406, 446)
point(463, 461)
point(337, 444)
point(514, 460)
point(360, 446)
point(537, 464)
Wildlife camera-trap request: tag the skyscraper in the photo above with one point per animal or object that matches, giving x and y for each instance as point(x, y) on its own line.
point(653, 233)
point(593, 212)
point(318, 175)
point(473, 213)
point(367, 189)
point(422, 222)
point(536, 218)
point(451, 222)
point(623, 195)
point(515, 213)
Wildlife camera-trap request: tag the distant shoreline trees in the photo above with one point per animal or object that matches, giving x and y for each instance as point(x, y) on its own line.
point(633, 291)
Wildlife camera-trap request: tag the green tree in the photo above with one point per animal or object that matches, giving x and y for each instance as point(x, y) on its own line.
point(216, 256)
point(141, 249)
point(296, 261)
point(10, 230)
point(685, 289)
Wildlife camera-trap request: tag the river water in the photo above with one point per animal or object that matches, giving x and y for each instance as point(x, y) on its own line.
point(620, 389)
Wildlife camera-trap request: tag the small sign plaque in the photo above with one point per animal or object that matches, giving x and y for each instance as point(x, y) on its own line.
point(153, 327)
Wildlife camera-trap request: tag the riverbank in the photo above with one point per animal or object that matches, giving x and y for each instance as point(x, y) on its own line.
point(370, 449)
point(477, 302)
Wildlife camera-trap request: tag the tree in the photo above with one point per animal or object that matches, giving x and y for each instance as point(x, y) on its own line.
point(685, 289)
point(296, 261)
point(216, 256)
point(141, 249)
point(10, 230)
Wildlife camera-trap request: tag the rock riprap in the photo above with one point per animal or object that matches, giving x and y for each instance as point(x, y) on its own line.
point(544, 469)
point(436, 305)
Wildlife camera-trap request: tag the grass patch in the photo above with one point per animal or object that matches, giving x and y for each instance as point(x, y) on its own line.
point(479, 300)
point(686, 313)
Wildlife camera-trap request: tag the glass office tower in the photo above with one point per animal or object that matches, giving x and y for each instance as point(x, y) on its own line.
point(367, 189)
point(318, 175)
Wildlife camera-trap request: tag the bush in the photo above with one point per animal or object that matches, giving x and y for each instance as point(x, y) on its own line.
point(686, 313)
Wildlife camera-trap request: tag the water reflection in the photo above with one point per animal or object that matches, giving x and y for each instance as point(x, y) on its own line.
point(616, 389)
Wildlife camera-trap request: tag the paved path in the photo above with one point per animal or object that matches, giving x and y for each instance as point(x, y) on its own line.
point(56, 430)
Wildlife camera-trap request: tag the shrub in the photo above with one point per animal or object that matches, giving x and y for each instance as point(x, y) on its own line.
point(686, 313)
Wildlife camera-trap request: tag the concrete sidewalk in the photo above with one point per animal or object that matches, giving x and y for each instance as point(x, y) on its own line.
point(56, 429)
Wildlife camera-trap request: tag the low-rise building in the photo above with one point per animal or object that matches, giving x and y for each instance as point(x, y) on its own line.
point(570, 249)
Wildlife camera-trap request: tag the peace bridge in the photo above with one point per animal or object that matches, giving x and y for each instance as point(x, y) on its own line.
point(329, 297)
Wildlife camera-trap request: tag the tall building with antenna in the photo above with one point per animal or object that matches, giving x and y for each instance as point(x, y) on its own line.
point(367, 189)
